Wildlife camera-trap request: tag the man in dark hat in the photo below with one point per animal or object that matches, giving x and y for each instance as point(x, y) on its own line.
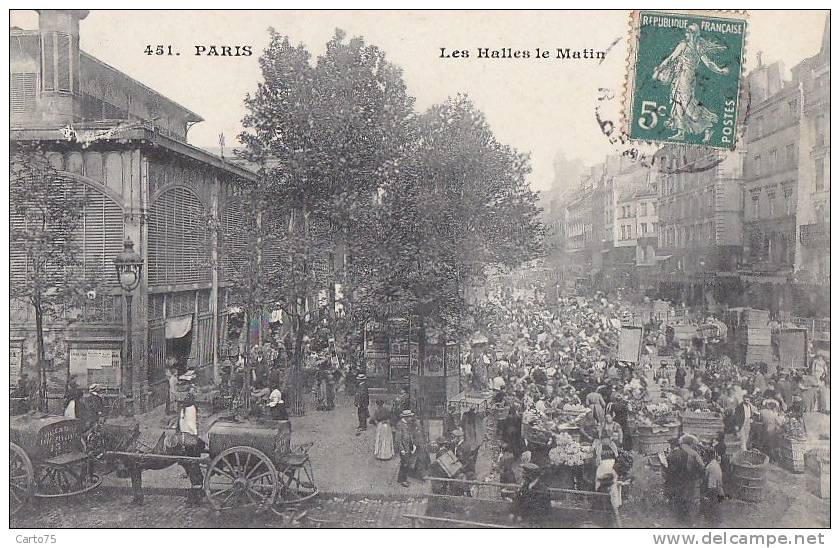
point(362, 402)
point(533, 501)
point(404, 445)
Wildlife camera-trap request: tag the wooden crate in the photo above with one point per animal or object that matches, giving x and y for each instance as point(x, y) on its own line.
point(702, 425)
point(792, 454)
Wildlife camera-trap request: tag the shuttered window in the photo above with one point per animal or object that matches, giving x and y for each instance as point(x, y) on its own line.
point(99, 234)
point(23, 92)
point(178, 239)
point(232, 239)
point(48, 60)
point(62, 68)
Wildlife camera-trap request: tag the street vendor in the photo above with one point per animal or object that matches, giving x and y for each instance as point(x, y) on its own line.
point(610, 434)
point(276, 406)
point(595, 402)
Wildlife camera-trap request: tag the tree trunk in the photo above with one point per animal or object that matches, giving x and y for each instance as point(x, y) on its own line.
point(41, 398)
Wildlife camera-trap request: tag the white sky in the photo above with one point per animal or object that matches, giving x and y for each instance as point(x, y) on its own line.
point(541, 106)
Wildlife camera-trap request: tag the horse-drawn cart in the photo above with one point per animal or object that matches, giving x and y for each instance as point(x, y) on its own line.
point(47, 459)
point(247, 463)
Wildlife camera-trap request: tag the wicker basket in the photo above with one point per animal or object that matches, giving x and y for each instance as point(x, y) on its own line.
point(749, 475)
point(792, 454)
point(650, 442)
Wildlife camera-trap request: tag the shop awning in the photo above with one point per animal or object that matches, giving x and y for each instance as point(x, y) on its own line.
point(663, 257)
point(178, 327)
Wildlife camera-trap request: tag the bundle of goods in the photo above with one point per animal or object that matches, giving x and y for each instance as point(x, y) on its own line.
point(793, 446)
point(661, 414)
point(749, 470)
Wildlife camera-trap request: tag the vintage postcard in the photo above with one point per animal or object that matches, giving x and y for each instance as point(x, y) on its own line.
point(419, 269)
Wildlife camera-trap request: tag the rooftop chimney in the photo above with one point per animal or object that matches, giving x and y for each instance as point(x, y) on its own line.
point(60, 74)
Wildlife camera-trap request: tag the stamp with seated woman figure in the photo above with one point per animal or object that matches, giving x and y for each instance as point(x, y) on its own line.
point(684, 81)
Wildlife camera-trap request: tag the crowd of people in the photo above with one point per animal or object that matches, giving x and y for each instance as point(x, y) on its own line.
point(547, 363)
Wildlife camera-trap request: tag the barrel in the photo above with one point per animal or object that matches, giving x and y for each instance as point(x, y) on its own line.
point(749, 475)
point(652, 440)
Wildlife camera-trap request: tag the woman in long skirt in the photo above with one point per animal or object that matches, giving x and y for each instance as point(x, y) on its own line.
point(384, 444)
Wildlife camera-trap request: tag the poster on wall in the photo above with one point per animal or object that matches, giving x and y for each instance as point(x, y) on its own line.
point(434, 360)
point(630, 344)
point(95, 365)
point(793, 348)
point(453, 360)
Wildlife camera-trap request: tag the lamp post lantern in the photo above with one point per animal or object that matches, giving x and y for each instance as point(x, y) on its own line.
point(129, 268)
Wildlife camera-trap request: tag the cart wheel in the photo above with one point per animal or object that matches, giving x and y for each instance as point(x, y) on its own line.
point(21, 479)
point(298, 483)
point(241, 477)
point(53, 481)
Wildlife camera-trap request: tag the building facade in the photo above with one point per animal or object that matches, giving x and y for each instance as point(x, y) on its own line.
point(700, 230)
point(125, 147)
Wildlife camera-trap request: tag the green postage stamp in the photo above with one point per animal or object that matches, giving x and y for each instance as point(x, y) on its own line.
point(684, 77)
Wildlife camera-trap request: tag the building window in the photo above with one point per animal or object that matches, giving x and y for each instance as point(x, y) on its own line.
point(755, 206)
point(759, 125)
point(819, 130)
point(788, 202)
point(757, 164)
point(771, 160)
point(771, 200)
point(793, 108)
point(790, 154)
point(653, 208)
point(23, 92)
point(643, 207)
point(644, 228)
point(819, 175)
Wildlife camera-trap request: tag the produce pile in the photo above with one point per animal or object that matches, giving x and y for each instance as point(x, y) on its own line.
point(795, 430)
point(662, 413)
point(568, 452)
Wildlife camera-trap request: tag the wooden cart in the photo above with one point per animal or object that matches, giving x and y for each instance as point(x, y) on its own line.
point(47, 459)
point(248, 463)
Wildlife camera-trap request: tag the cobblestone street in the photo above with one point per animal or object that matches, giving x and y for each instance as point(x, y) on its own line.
point(108, 509)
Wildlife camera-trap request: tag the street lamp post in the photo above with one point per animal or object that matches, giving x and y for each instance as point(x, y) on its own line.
point(129, 268)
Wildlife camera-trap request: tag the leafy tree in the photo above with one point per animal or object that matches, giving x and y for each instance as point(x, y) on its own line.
point(46, 210)
point(325, 139)
point(462, 207)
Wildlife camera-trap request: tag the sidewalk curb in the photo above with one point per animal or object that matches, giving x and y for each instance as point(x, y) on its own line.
point(322, 497)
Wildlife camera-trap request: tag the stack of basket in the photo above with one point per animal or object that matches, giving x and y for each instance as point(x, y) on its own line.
point(792, 454)
point(755, 336)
